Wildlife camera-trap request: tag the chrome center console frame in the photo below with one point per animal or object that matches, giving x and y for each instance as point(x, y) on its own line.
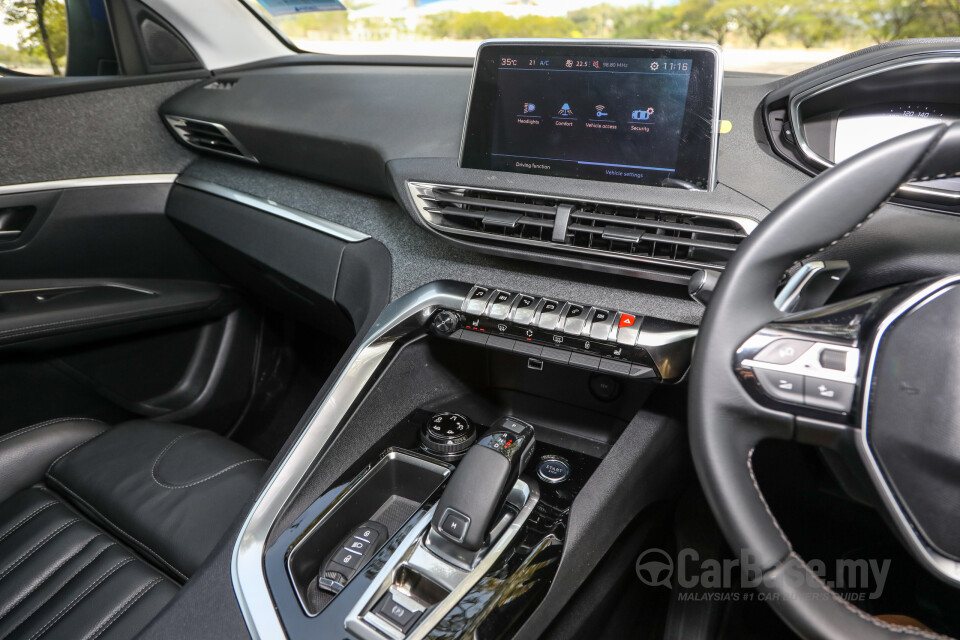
point(247, 570)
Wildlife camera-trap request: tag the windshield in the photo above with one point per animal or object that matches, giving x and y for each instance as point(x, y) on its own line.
point(771, 36)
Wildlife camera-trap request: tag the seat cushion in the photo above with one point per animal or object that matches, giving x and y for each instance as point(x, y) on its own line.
point(169, 491)
point(63, 577)
point(26, 454)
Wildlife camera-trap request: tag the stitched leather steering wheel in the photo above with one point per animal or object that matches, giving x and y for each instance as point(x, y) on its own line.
point(730, 413)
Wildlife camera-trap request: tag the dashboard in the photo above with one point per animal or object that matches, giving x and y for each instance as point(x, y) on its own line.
point(413, 132)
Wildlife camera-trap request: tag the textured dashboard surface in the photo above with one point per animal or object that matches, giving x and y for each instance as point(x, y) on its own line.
point(98, 133)
point(419, 257)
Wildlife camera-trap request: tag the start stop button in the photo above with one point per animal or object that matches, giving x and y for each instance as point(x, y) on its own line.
point(553, 469)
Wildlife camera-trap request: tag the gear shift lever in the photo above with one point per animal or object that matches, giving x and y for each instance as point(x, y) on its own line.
point(479, 487)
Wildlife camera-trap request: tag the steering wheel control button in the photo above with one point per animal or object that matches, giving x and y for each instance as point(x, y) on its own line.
point(396, 614)
point(553, 469)
point(786, 387)
point(828, 394)
point(783, 351)
point(833, 359)
point(477, 301)
point(500, 308)
point(454, 525)
point(549, 315)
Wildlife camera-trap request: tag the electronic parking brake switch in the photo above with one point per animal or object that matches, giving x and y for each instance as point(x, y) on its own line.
point(351, 554)
point(478, 489)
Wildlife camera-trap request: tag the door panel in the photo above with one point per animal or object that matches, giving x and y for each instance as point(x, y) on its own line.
point(100, 232)
point(110, 132)
point(106, 311)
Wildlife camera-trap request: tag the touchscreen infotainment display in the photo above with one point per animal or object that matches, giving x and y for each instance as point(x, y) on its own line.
point(637, 113)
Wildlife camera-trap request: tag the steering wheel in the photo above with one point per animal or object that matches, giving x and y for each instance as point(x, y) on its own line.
point(880, 369)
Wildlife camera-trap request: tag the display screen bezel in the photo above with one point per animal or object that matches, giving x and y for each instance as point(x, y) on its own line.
point(698, 152)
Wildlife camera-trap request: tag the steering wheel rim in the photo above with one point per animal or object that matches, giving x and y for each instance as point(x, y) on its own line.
point(726, 423)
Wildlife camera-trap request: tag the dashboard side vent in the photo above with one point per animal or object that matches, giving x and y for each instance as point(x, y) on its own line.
point(672, 243)
point(208, 136)
point(220, 85)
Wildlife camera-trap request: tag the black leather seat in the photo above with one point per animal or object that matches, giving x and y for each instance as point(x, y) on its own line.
point(100, 526)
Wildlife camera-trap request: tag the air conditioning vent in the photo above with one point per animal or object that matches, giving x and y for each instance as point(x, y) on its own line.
point(209, 136)
point(220, 85)
point(673, 243)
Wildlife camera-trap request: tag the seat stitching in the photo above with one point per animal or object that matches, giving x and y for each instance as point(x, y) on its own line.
point(144, 590)
point(120, 529)
point(48, 423)
point(75, 574)
point(34, 548)
point(863, 615)
point(83, 594)
point(27, 517)
point(71, 450)
point(57, 568)
point(166, 449)
point(211, 477)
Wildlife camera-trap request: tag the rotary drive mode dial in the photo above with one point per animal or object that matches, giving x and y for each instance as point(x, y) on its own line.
point(447, 434)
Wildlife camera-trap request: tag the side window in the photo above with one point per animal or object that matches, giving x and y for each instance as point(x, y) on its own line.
point(34, 37)
point(88, 38)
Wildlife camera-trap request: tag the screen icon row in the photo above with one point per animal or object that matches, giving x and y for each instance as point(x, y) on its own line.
point(566, 111)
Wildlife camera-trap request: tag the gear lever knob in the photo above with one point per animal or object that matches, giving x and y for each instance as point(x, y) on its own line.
point(479, 487)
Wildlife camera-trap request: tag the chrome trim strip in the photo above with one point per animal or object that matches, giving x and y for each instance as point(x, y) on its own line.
point(176, 125)
point(791, 291)
point(659, 44)
point(87, 183)
point(939, 565)
point(275, 208)
point(246, 568)
point(788, 298)
point(890, 65)
point(417, 189)
point(91, 285)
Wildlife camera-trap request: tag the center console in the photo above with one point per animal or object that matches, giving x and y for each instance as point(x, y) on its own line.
point(465, 471)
